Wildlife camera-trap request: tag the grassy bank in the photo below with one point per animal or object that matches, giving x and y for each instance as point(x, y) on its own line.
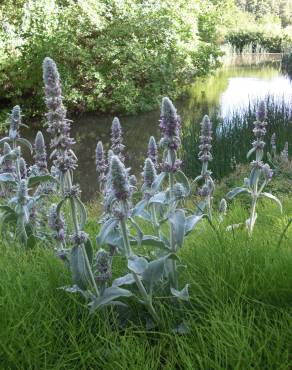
point(239, 314)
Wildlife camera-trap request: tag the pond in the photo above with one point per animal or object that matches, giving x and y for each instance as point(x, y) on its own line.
point(231, 88)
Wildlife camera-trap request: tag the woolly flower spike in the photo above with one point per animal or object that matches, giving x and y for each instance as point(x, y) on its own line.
point(205, 146)
point(22, 168)
point(7, 165)
point(59, 126)
point(101, 165)
point(169, 125)
point(223, 206)
point(152, 150)
point(79, 238)
point(149, 173)
point(119, 179)
point(117, 138)
point(103, 266)
point(273, 143)
point(285, 152)
point(57, 224)
point(40, 156)
point(15, 123)
point(260, 128)
point(22, 192)
point(261, 114)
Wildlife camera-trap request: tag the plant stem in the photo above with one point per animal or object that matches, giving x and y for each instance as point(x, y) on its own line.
point(77, 229)
point(147, 299)
point(174, 278)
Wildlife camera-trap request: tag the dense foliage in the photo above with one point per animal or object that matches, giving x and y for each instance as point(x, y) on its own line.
point(114, 56)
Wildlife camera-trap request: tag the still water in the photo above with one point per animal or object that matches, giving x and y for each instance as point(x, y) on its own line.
point(231, 88)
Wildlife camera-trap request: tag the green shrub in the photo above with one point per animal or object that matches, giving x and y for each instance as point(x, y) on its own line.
point(114, 56)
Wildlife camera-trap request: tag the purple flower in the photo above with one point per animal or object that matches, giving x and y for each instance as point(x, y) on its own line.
point(149, 173)
point(171, 168)
point(79, 238)
point(7, 165)
point(267, 171)
point(119, 179)
point(205, 146)
point(57, 224)
point(102, 266)
point(22, 168)
point(261, 114)
point(58, 124)
point(117, 138)
point(169, 125)
point(101, 165)
point(152, 150)
point(15, 123)
point(40, 156)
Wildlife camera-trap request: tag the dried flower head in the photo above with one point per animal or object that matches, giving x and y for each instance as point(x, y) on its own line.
point(119, 179)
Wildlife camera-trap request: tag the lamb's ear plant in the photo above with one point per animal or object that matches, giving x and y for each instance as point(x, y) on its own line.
point(85, 268)
point(205, 156)
point(17, 215)
point(260, 174)
point(222, 209)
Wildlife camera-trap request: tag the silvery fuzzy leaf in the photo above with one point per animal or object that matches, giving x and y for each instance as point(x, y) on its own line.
point(200, 206)
point(254, 176)
point(158, 198)
point(246, 182)
point(80, 273)
point(60, 205)
point(191, 222)
point(234, 192)
point(273, 197)
point(178, 220)
point(181, 294)
point(181, 177)
point(20, 230)
point(5, 139)
point(53, 153)
point(145, 215)
point(124, 280)
point(152, 241)
point(82, 212)
point(10, 156)
point(198, 178)
point(158, 181)
point(36, 180)
point(139, 208)
point(7, 177)
point(108, 298)
point(155, 270)
point(252, 150)
point(106, 228)
point(113, 238)
point(25, 142)
point(75, 289)
point(138, 230)
point(137, 264)
point(89, 250)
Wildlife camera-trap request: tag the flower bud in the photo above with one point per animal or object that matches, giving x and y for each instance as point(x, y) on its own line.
point(149, 173)
point(152, 150)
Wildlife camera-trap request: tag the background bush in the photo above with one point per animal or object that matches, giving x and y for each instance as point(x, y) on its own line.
point(113, 56)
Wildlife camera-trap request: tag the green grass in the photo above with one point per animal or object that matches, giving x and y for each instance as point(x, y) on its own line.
point(239, 315)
